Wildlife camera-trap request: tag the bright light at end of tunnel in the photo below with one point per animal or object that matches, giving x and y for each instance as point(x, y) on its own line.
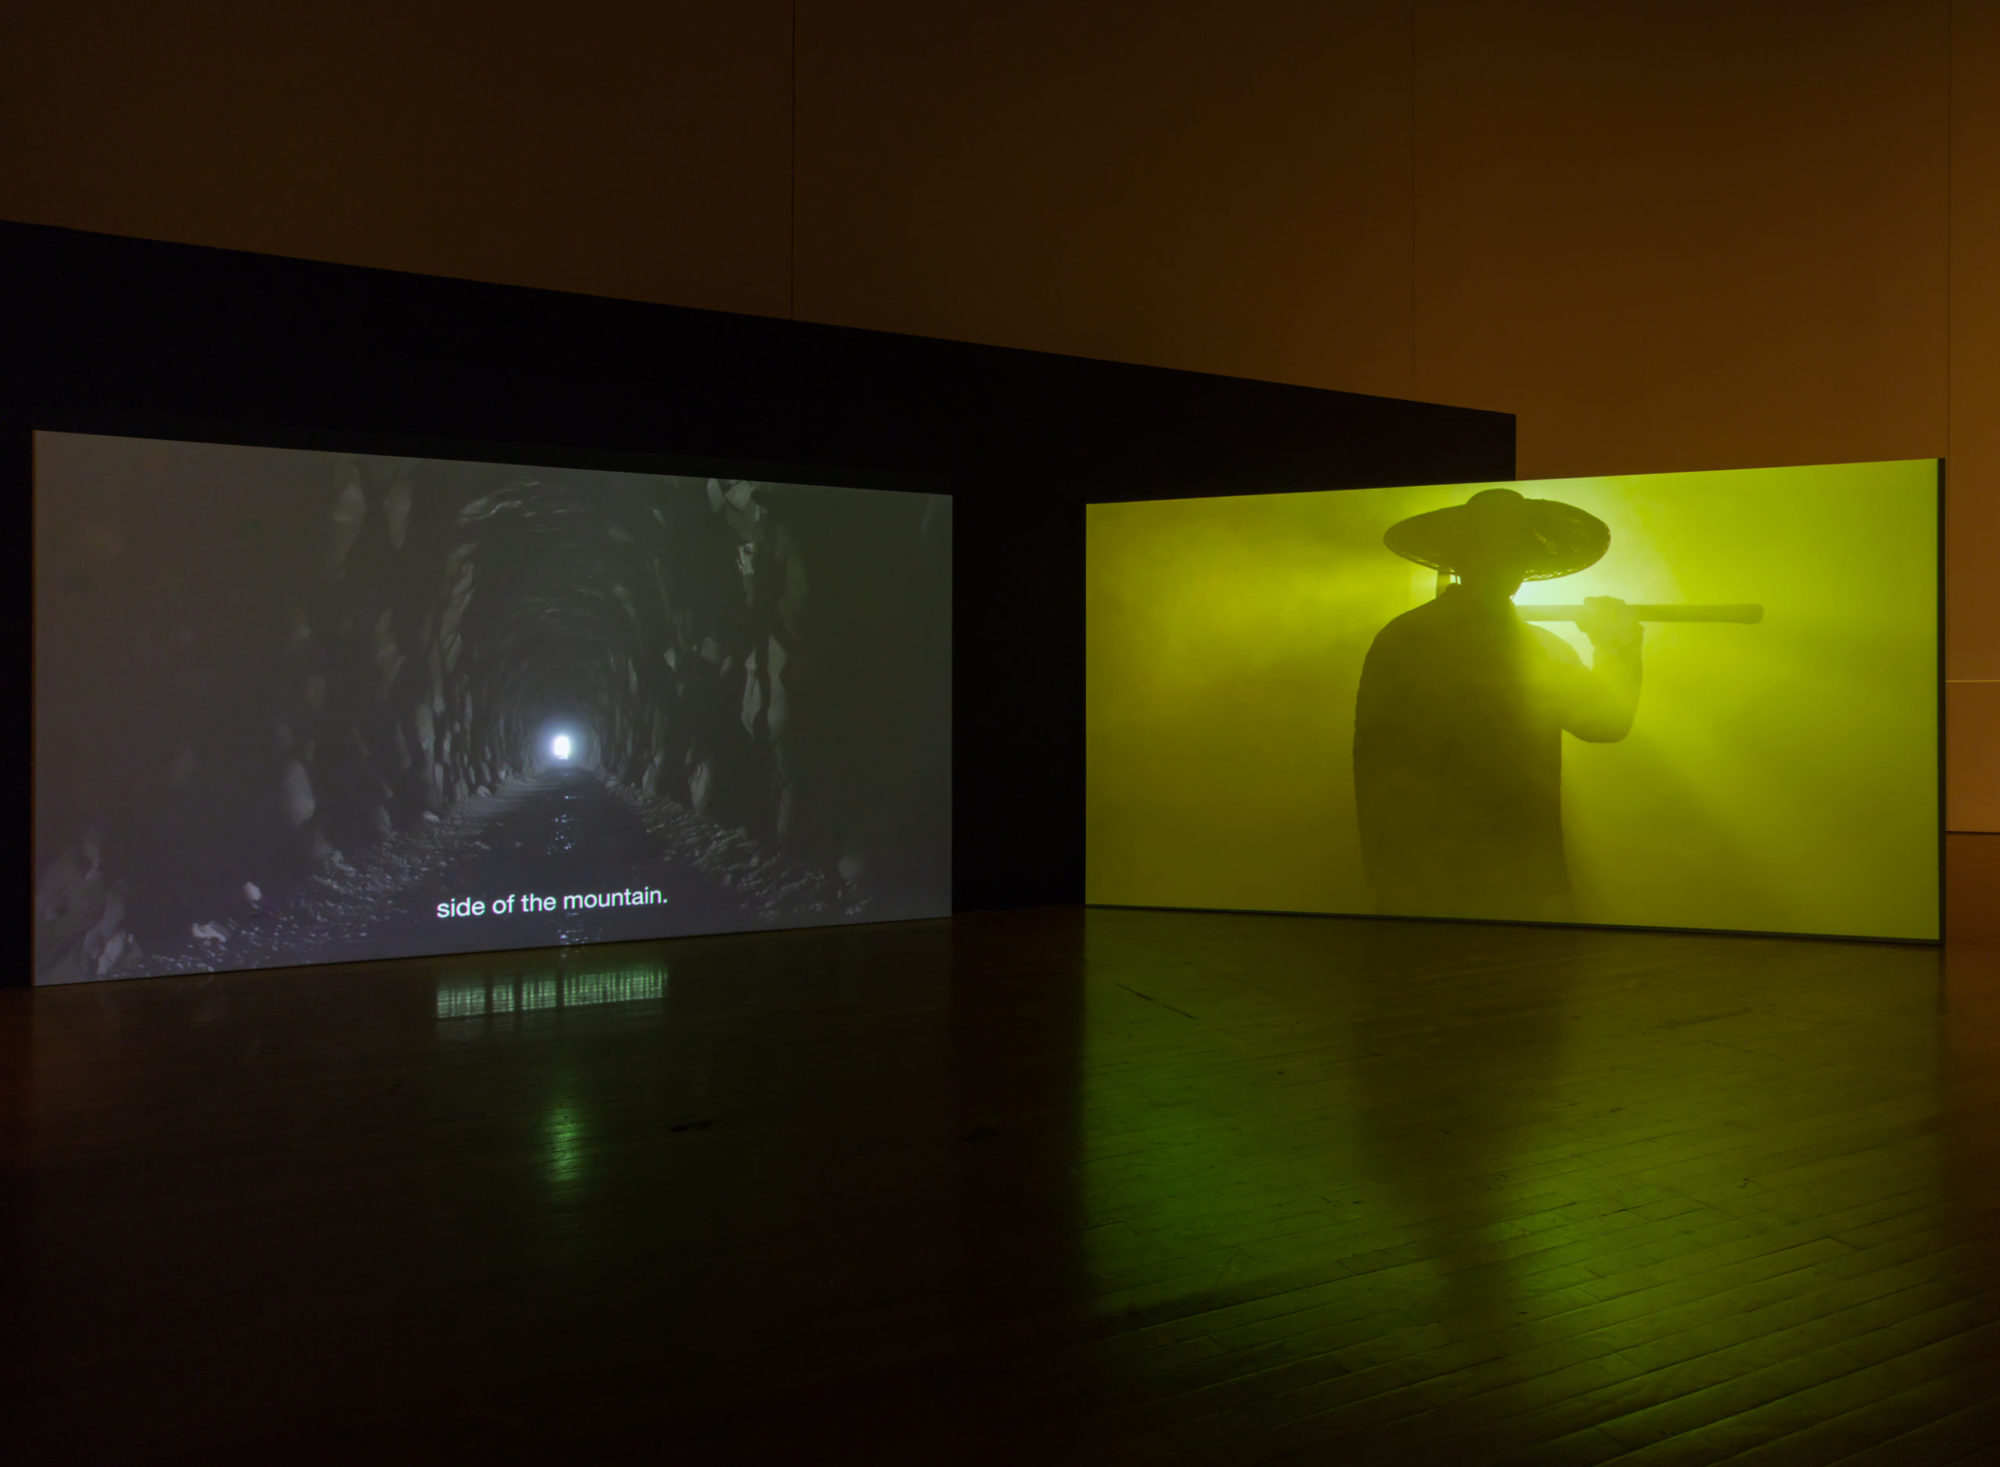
point(560, 746)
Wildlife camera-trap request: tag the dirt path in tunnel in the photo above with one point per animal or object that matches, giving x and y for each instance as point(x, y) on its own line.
point(551, 836)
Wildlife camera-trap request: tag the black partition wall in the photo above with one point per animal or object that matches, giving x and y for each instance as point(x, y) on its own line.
point(115, 335)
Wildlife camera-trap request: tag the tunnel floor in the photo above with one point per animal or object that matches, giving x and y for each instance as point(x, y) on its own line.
point(550, 835)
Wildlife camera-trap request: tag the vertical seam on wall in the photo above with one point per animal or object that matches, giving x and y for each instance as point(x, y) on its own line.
point(1414, 393)
point(792, 180)
point(1944, 478)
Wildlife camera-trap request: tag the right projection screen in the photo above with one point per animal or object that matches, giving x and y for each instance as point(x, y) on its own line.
point(1700, 700)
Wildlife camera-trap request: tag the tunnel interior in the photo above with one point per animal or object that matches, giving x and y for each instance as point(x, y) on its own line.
point(259, 667)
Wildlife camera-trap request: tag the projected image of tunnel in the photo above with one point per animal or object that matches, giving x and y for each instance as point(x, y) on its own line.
point(298, 707)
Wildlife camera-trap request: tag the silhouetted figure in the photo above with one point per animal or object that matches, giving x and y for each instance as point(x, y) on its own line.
point(1459, 721)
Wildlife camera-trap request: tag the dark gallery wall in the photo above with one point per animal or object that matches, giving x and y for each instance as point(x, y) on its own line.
point(1668, 235)
point(617, 149)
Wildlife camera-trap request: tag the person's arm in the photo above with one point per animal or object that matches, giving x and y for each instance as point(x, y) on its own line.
point(1602, 701)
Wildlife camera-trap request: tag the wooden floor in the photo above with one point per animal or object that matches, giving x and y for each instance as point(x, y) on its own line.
point(1048, 1186)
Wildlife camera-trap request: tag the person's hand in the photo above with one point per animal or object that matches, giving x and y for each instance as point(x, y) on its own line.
point(1610, 624)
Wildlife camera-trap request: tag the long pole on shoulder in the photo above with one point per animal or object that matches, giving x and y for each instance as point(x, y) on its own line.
point(1746, 614)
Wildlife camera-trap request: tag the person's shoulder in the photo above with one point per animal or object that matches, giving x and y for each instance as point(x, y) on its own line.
point(1414, 621)
point(1555, 646)
point(1407, 642)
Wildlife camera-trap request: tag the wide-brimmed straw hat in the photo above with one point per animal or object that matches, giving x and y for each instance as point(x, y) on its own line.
point(1545, 538)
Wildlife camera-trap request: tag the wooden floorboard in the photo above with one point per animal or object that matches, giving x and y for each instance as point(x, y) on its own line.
point(1101, 1186)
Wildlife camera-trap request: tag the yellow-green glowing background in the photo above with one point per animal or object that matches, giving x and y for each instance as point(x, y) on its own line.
point(1781, 777)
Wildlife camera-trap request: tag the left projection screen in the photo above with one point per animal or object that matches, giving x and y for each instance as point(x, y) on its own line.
point(297, 707)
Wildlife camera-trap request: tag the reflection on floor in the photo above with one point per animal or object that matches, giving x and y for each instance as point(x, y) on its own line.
point(503, 995)
point(1046, 1186)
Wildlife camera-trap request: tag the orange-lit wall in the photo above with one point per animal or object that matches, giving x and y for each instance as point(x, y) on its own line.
point(1677, 234)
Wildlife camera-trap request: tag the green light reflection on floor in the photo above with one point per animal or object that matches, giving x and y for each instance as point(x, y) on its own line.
point(564, 1128)
point(481, 998)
